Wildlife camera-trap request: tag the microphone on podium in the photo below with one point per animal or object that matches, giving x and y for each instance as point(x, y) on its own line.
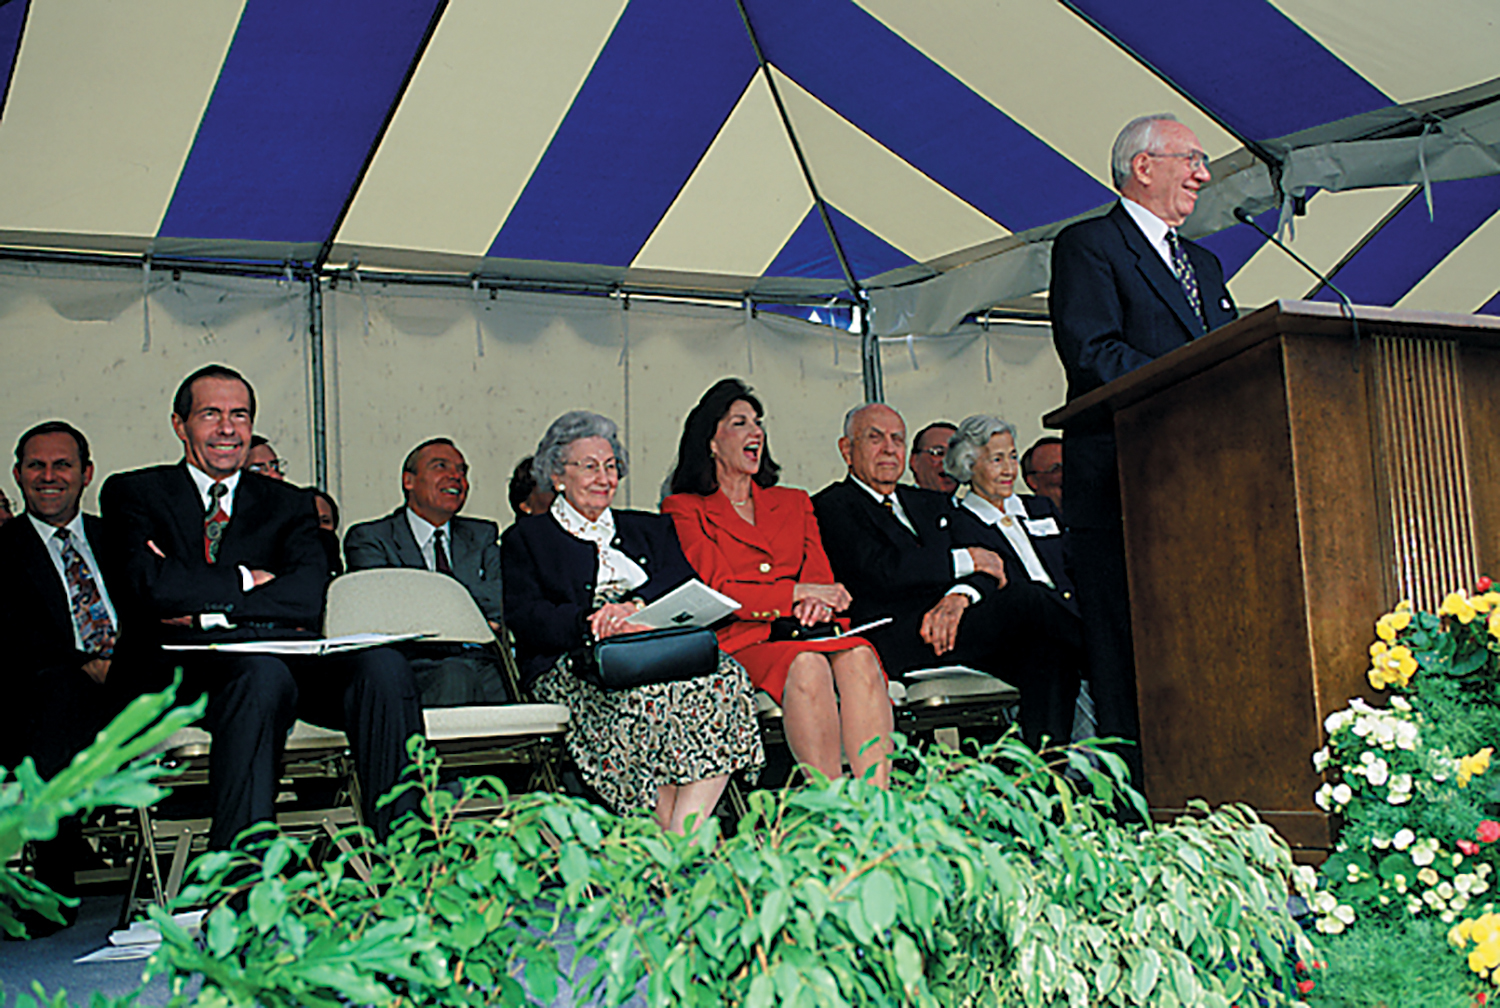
point(1243, 216)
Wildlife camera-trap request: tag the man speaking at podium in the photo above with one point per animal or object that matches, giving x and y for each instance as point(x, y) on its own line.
point(1125, 290)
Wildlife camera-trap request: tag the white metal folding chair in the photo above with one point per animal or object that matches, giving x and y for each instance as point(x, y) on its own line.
point(402, 600)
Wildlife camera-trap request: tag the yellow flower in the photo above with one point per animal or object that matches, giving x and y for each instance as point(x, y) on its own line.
point(1390, 665)
point(1484, 603)
point(1458, 604)
point(1494, 623)
point(1473, 766)
point(1485, 933)
point(1391, 624)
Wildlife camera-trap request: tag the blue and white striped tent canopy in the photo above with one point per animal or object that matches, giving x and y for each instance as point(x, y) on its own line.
point(679, 144)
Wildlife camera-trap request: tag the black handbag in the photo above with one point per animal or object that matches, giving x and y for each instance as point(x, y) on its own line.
point(627, 660)
point(790, 628)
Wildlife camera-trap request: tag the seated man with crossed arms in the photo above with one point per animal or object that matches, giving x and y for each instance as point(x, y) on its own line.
point(208, 553)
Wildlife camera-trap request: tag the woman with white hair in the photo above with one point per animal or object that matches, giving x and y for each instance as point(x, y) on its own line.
point(577, 573)
point(1027, 532)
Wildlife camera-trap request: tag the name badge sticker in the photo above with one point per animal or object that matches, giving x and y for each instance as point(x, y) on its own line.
point(1042, 527)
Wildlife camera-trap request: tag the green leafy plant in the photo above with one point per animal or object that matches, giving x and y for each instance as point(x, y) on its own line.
point(978, 879)
point(115, 769)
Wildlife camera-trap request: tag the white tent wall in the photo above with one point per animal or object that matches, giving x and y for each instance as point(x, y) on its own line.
point(403, 362)
point(76, 348)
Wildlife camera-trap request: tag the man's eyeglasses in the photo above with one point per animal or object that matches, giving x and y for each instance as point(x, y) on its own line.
point(592, 468)
point(1195, 159)
point(1052, 470)
point(277, 466)
point(936, 451)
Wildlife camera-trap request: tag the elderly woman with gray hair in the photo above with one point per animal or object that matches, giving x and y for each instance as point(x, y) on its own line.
point(577, 573)
point(1027, 533)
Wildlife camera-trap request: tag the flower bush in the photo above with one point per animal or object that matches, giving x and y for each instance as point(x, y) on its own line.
point(1412, 781)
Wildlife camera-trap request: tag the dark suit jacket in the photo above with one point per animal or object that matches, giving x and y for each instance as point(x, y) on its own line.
point(549, 580)
point(1115, 306)
point(971, 530)
point(474, 553)
point(889, 571)
point(756, 565)
point(273, 527)
point(34, 609)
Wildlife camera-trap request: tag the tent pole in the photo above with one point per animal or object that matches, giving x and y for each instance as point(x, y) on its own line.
point(315, 361)
point(869, 351)
point(869, 356)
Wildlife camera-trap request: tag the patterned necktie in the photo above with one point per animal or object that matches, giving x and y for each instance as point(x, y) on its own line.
point(1183, 270)
point(888, 503)
point(214, 522)
point(95, 628)
point(440, 554)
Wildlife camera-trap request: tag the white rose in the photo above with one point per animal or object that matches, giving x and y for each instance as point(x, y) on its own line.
point(1400, 703)
point(1380, 842)
point(1403, 838)
point(1324, 902)
point(1320, 760)
point(1459, 902)
point(1428, 875)
point(1330, 925)
point(1344, 912)
point(1421, 856)
point(1322, 795)
point(1378, 773)
point(1445, 890)
point(1464, 883)
point(1342, 794)
point(1304, 878)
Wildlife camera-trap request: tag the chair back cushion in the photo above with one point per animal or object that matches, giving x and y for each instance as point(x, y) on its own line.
point(404, 600)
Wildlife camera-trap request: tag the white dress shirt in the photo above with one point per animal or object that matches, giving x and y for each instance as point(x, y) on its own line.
point(81, 544)
point(425, 533)
point(1153, 227)
point(1014, 531)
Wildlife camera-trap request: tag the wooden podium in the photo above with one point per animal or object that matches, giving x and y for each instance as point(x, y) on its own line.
point(1281, 489)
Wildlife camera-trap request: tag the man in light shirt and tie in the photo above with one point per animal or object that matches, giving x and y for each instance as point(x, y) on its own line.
point(427, 533)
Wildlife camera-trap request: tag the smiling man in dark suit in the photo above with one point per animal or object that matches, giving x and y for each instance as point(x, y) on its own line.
point(208, 553)
point(60, 623)
point(1126, 289)
point(896, 549)
point(427, 534)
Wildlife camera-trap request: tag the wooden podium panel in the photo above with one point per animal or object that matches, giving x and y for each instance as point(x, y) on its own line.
point(1277, 499)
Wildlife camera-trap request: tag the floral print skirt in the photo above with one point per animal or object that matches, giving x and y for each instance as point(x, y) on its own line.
point(631, 742)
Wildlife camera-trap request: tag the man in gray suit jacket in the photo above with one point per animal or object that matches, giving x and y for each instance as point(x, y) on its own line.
point(427, 534)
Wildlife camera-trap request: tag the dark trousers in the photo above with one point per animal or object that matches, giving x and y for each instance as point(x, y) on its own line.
point(1017, 634)
point(370, 695)
point(62, 709)
point(452, 676)
point(1096, 559)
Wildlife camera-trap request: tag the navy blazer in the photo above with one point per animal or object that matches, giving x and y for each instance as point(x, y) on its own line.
point(473, 553)
point(273, 527)
point(1115, 306)
point(35, 612)
point(549, 580)
point(889, 571)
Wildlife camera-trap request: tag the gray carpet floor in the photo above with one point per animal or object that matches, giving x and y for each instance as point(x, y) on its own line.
point(49, 960)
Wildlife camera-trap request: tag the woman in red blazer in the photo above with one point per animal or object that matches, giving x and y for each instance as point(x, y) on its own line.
point(758, 543)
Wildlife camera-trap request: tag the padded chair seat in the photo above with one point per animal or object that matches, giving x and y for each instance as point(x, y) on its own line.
point(766, 707)
point(447, 724)
point(955, 684)
point(192, 742)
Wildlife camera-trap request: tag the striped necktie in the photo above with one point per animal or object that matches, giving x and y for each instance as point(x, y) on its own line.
point(95, 628)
